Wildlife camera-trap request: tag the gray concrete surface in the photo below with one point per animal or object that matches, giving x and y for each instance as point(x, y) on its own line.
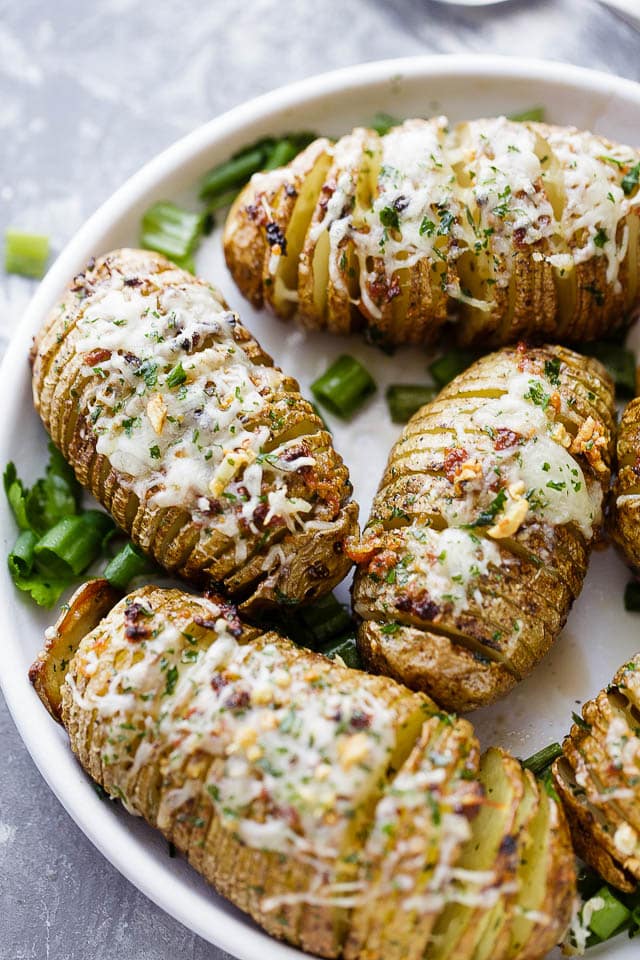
point(88, 92)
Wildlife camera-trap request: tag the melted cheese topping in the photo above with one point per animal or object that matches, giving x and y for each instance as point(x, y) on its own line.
point(446, 563)
point(595, 203)
point(178, 405)
point(287, 736)
point(483, 188)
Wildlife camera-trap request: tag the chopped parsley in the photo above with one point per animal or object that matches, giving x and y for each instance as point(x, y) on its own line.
point(389, 218)
point(176, 376)
point(536, 394)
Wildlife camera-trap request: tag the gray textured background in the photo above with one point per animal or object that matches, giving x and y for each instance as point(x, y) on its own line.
point(88, 92)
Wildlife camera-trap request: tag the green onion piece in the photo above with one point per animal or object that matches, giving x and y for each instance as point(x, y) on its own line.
point(450, 364)
point(344, 387)
point(234, 173)
point(610, 917)
point(383, 122)
point(632, 597)
point(73, 544)
point(282, 153)
point(588, 882)
point(325, 619)
point(127, 564)
point(542, 760)
point(171, 230)
point(344, 647)
point(25, 253)
point(404, 399)
point(533, 115)
point(221, 200)
point(619, 362)
point(16, 495)
point(22, 557)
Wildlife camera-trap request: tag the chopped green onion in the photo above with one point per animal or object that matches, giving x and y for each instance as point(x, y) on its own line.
point(450, 364)
point(283, 152)
point(325, 619)
point(404, 399)
point(632, 597)
point(127, 564)
point(234, 173)
point(542, 760)
point(267, 154)
point(171, 230)
point(344, 387)
point(222, 200)
point(73, 544)
point(345, 648)
point(22, 557)
point(25, 253)
point(608, 919)
point(619, 362)
point(533, 115)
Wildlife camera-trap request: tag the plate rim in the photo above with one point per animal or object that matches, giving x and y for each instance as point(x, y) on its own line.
point(237, 934)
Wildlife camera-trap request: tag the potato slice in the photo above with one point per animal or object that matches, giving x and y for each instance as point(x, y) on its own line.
point(486, 869)
point(417, 839)
point(89, 604)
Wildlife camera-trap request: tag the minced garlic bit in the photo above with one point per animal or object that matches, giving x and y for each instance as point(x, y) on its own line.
point(513, 514)
point(157, 412)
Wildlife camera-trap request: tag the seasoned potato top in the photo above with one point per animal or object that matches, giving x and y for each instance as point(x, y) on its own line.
point(509, 445)
point(181, 401)
point(177, 676)
point(486, 187)
point(482, 524)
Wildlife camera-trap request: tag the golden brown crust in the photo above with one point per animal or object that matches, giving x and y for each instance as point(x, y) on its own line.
point(598, 780)
point(497, 296)
point(625, 499)
point(425, 814)
point(63, 390)
point(469, 647)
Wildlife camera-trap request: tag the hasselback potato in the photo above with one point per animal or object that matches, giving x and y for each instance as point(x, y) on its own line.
point(626, 489)
point(598, 779)
point(176, 420)
point(510, 229)
point(344, 813)
point(479, 535)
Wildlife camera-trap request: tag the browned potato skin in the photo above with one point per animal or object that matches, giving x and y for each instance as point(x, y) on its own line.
point(600, 792)
point(541, 302)
point(370, 931)
point(626, 515)
point(315, 562)
point(457, 659)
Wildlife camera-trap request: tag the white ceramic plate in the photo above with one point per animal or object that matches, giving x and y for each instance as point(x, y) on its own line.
point(599, 636)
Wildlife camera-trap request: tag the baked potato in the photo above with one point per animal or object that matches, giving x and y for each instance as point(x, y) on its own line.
point(176, 420)
point(479, 535)
point(625, 513)
point(509, 229)
point(598, 780)
point(344, 813)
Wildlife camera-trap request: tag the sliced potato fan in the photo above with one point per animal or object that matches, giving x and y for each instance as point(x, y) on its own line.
point(176, 420)
point(344, 813)
point(598, 780)
point(479, 535)
point(511, 229)
point(625, 518)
